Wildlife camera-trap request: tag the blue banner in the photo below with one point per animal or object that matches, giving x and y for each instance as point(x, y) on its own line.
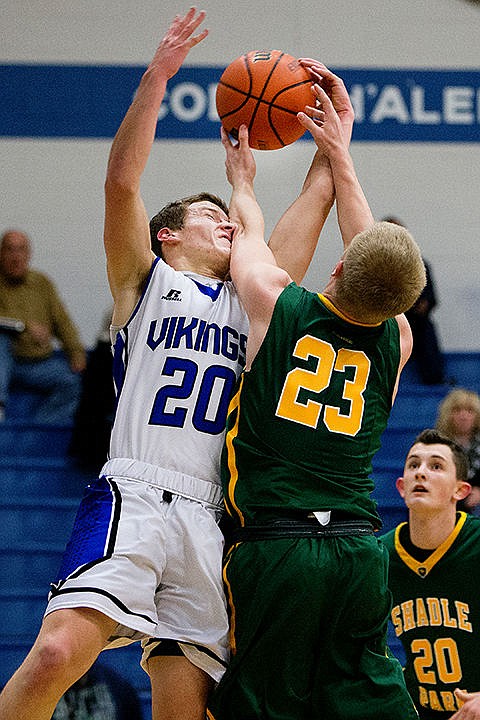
point(83, 101)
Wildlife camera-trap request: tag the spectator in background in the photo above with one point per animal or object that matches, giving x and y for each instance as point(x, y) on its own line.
point(426, 352)
point(27, 358)
point(93, 420)
point(459, 418)
point(100, 694)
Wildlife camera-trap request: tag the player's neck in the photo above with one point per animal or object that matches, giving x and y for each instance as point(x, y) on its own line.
point(430, 531)
point(185, 265)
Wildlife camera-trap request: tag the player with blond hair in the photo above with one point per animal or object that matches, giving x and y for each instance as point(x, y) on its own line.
point(305, 575)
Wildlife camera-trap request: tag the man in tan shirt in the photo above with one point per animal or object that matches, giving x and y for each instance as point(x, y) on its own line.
point(27, 356)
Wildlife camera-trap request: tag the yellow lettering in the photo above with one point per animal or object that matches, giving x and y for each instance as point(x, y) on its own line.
point(422, 696)
point(433, 700)
point(434, 611)
point(408, 616)
point(397, 620)
point(424, 661)
point(447, 620)
point(422, 617)
point(463, 611)
point(448, 700)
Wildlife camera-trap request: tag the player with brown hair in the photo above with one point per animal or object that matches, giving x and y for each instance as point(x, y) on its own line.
point(144, 559)
point(434, 578)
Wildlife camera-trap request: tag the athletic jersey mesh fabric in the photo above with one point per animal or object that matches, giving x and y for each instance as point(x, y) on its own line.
point(436, 615)
point(176, 363)
point(307, 418)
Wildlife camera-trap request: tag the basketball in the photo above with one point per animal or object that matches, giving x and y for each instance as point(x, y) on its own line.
point(264, 89)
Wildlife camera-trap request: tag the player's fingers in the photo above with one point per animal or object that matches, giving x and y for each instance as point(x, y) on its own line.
point(316, 114)
point(307, 122)
point(225, 137)
point(189, 23)
point(198, 38)
point(243, 135)
point(310, 62)
point(324, 101)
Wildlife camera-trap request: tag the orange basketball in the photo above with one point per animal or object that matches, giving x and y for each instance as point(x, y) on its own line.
point(264, 89)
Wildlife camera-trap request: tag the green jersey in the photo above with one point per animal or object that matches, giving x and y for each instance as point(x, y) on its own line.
point(436, 615)
point(306, 420)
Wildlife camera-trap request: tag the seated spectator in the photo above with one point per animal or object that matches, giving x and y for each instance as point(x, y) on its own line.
point(426, 353)
point(459, 418)
point(27, 358)
point(100, 694)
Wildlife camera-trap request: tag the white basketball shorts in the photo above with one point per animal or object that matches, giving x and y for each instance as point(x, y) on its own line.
point(152, 564)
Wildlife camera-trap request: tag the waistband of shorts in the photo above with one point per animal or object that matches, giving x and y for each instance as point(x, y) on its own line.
point(306, 527)
point(178, 483)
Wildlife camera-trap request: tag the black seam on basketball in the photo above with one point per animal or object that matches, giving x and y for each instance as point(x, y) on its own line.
point(238, 107)
point(259, 100)
point(286, 89)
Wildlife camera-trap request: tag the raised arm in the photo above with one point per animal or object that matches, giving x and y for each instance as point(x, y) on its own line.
point(353, 210)
point(126, 228)
point(354, 214)
point(294, 238)
point(254, 270)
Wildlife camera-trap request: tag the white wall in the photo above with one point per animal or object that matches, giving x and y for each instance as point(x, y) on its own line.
point(54, 188)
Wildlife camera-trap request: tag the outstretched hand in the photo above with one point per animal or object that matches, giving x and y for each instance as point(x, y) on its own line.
point(335, 88)
point(323, 122)
point(178, 41)
point(239, 162)
point(470, 709)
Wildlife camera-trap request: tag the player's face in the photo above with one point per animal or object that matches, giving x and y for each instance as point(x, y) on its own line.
point(430, 478)
point(208, 230)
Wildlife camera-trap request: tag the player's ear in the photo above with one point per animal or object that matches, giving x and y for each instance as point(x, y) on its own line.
point(463, 490)
point(165, 235)
point(337, 270)
point(400, 485)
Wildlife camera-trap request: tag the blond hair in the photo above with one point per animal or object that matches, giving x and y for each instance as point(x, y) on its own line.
point(457, 399)
point(383, 273)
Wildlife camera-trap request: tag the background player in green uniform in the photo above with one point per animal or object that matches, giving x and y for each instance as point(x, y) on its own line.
point(306, 578)
point(435, 581)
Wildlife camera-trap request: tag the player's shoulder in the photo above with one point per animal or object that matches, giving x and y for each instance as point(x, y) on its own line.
point(388, 539)
point(471, 525)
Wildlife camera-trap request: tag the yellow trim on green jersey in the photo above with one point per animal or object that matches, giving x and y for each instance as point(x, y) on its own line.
point(230, 451)
point(423, 568)
point(335, 310)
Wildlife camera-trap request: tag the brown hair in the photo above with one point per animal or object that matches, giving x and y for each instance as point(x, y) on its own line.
point(460, 459)
point(173, 216)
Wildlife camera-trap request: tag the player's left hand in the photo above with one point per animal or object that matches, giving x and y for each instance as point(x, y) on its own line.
point(239, 162)
point(336, 91)
point(470, 709)
point(177, 42)
point(323, 123)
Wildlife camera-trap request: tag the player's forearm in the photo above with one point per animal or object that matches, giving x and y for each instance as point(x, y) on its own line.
point(133, 142)
point(295, 237)
point(353, 210)
point(245, 211)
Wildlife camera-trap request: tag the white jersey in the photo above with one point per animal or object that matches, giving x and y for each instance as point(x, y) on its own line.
point(176, 363)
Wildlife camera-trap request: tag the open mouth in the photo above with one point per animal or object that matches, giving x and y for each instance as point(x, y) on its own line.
point(419, 489)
